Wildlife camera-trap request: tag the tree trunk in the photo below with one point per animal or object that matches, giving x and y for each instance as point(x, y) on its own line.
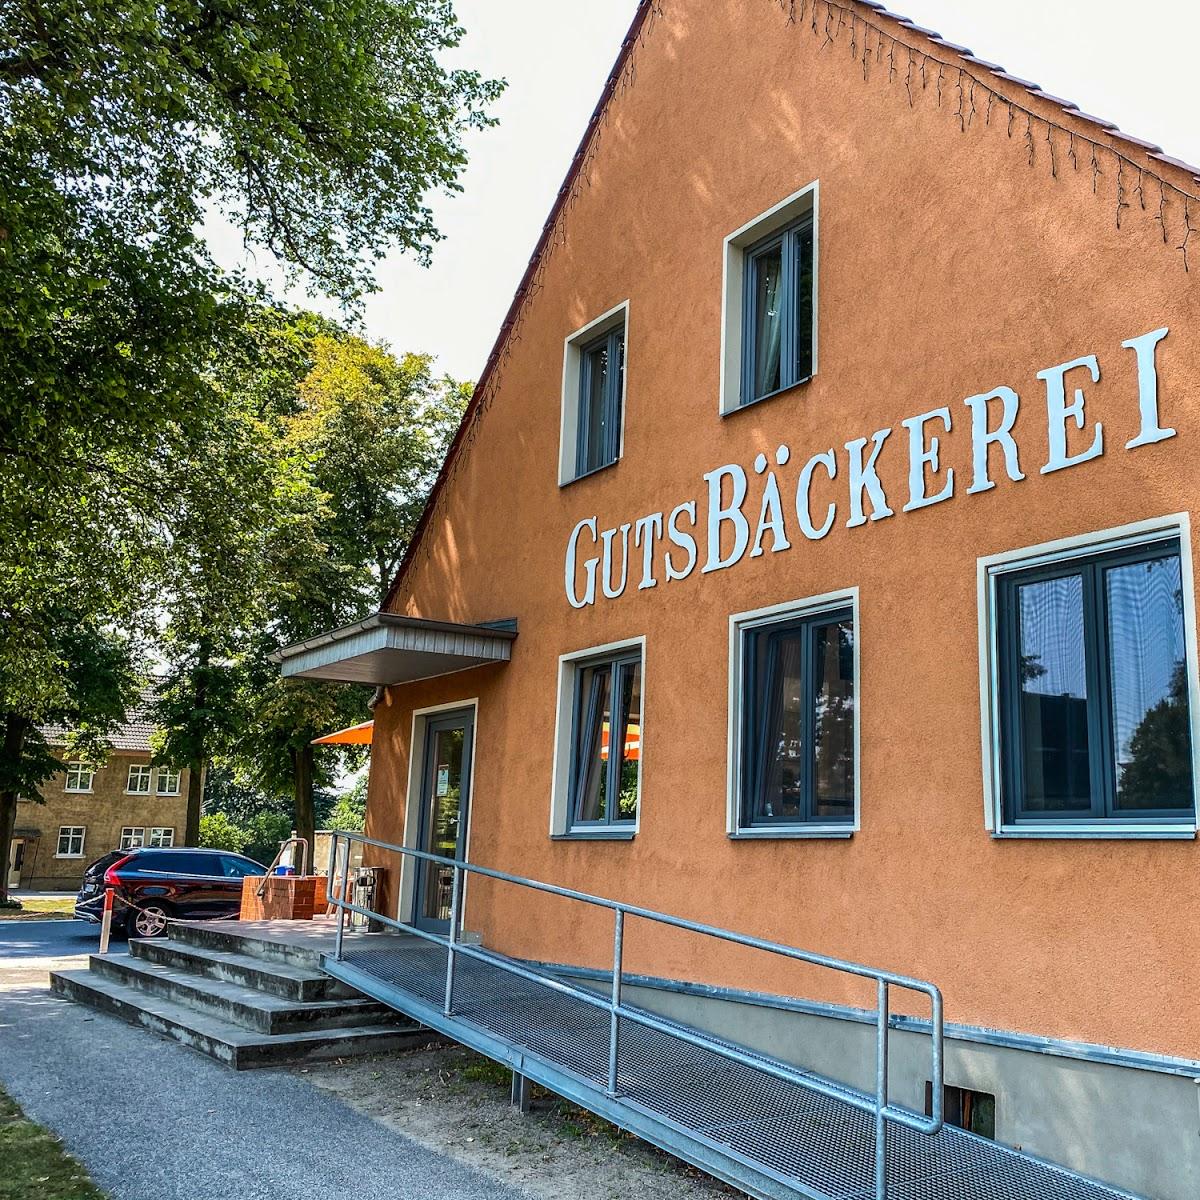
point(195, 796)
point(14, 743)
point(195, 801)
point(8, 819)
point(302, 761)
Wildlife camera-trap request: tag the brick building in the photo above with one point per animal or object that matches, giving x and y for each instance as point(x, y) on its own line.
point(90, 809)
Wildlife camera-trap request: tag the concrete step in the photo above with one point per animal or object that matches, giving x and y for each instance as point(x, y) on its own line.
point(283, 979)
point(225, 938)
point(221, 1039)
point(243, 1006)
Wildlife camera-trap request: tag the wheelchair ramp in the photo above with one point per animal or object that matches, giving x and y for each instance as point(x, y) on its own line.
point(680, 1089)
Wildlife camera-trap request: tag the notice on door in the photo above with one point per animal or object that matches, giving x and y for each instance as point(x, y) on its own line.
point(443, 781)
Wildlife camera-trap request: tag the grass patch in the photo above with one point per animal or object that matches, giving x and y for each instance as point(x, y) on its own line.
point(36, 1167)
point(39, 908)
point(484, 1070)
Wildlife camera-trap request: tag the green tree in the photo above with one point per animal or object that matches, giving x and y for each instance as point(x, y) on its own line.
point(375, 429)
point(318, 129)
point(97, 684)
point(362, 444)
point(220, 832)
point(1157, 771)
point(350, 809)
point(223, 503)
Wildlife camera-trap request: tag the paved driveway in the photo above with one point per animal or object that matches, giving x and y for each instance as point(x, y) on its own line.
point(153, 1120)
point(47, 939)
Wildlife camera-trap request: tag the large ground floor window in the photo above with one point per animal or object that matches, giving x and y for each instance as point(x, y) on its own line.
point(606, 742)
point(795, 720)
point(1092, 686)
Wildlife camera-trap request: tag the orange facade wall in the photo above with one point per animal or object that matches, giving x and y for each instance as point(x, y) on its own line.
point(948, 265)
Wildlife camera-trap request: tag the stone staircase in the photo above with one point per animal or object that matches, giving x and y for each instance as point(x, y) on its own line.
point(238, 997)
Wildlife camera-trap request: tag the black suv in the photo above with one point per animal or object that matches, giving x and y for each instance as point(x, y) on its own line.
point(163, 883)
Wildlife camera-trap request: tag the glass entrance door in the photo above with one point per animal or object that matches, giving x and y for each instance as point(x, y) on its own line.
point(444, 798)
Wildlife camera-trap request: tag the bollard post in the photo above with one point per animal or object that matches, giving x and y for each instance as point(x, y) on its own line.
point(106, 920)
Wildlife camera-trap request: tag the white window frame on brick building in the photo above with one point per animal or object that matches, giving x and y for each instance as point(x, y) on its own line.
point(168, 781)
point(69, 836)
point(76, 773)
point(133, 837)
point(139, 780)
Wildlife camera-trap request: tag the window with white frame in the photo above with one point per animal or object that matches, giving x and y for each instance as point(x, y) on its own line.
point(168, 781)
point(138, 783)
point(79, 777)
point(70, 841)
point(1092, 712)
point(132, 838)
point(161, 836)
point(770, 303)
point(593, 400)
point(794, 720)
point(598, 768)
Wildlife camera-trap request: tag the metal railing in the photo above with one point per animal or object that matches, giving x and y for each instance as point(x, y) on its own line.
point(879, 1106)
point(292, 841)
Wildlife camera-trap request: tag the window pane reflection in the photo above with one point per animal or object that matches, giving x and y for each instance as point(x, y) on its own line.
point(768, 320)
point(1151, 742)
point(1053, 695)
point(833, 737)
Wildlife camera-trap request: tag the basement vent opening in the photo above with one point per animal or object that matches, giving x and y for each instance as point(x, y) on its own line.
point(970, 1110)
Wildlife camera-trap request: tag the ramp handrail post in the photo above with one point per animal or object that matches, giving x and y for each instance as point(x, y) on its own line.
point(615, 998)
point(341, 868)
point(881, 1091)
point(452, 942)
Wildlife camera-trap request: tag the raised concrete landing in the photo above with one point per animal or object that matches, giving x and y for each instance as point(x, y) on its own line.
point(247, 994)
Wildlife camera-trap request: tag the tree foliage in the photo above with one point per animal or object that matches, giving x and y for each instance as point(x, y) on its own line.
point(139, 384)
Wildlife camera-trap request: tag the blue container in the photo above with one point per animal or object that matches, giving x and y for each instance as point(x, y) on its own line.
point(285, 869)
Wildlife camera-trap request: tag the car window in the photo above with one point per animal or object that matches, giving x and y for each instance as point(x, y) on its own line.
point(173, 863)
point(239, 868)
point(102, 864)
point(149, 861)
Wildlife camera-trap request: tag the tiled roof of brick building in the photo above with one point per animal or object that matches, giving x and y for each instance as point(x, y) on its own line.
point(132, 734)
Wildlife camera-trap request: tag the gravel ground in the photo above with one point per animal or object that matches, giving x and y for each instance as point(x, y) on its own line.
point(457, 1103)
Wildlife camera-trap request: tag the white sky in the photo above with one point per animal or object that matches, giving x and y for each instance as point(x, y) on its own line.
point(1131, 63)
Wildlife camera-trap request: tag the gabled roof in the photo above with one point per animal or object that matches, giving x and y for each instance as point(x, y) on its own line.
point(133, 734)
point(828, 19)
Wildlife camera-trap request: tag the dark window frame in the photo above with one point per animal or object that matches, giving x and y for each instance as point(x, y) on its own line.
point(799, 311)
point(1091, 567)
point(612, 400)
point(753, 730)
point(583, 712)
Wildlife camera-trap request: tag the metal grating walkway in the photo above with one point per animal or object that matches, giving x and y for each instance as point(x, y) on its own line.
point(768, 1136)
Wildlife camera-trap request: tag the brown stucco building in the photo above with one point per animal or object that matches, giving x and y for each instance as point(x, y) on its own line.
point(842, 448)
point(89, 810)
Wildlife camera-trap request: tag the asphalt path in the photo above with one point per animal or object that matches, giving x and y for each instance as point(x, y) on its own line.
point(153, 1120)
point(47, 939)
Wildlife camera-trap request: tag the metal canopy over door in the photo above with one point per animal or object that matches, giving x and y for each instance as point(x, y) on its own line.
point(445, 784)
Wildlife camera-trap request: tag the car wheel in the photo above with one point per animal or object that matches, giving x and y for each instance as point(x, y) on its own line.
point(149, 921)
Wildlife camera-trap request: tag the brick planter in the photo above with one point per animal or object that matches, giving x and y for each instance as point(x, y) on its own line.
point(285, 898)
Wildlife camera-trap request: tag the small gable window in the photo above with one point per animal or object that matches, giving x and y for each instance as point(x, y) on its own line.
point(593, 401)
point(777, 306)
point(600, 386)
point(769, 303)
